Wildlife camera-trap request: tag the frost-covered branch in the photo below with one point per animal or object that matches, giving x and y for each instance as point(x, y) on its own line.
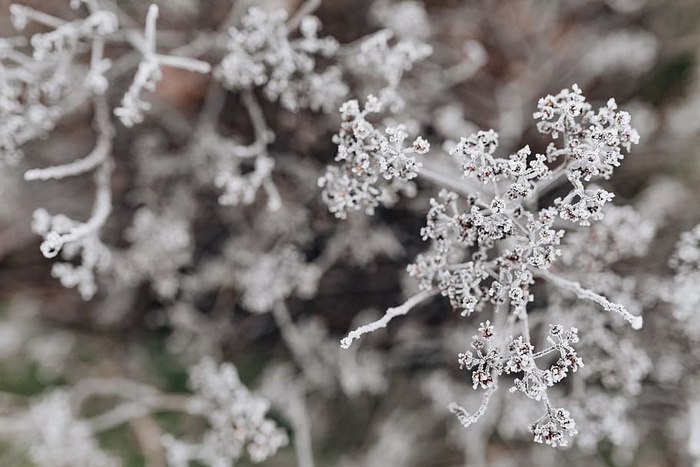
point(390, 314)
point(149, 73)
point(583, 293)
point(463, 415)
point(98, 155)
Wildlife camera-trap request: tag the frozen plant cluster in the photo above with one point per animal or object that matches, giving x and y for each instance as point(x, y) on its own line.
point(490, 243)
point(375, 164)
point(261, 53)
point(220, 190)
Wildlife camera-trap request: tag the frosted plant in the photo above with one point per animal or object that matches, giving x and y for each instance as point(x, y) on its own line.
point(207, 234)
point(262, 53)
point(30, 107)
point(614, 370)
point(25, 116)
point(408, 19)
point(360, 242)
point(236, 420)
point(622, 233)
point(676, 365)
point(149, 73)
point(489, 245)
point(160, 246)
point(55, 50)
point(228, 157)
point(53, 426)
point(269, 278)
point(75, 239)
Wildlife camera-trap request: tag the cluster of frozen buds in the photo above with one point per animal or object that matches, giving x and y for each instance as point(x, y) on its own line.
point(551, 427)
point(387, 61)
point(36, 88)
point(593, 143)
point(53, 425)
point(517, 355)
point(374, 164)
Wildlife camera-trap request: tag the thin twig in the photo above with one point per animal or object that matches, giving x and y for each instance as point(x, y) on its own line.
point(390, 314)
point(576, 288)
point(464, 417)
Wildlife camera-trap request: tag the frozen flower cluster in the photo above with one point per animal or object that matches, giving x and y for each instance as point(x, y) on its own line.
point(26, 115)
point(160, 245)
point(270, 278)
point(262, 53)
point(593, 144)
point(408, 19)
point(236, 418)
point(53, 426)
point(518, 357)
point(374, 165)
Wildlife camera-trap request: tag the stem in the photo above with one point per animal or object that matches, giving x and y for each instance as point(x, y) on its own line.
point(307, 360)
point(257, 117)
point(463, 416)
point(576, 288)
point(150, 30)
point(98, 155)
point(101, 209)
point(185, 63)
point(130, 410)
point(390, 314)
point(301, 423)
point(443, 180)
